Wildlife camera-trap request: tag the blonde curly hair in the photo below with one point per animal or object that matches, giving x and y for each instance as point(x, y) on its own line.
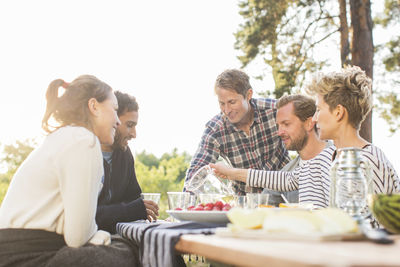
point(350, 88)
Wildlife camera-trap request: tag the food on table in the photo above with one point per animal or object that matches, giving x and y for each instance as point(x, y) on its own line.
point(335, 221)
point(287, 205)
point(386, 209)
point(228, 199)
point(265, 206)
point(217, 206)
point(296, 205)
point(246, 218)
point(303, 222)
point(299, 222)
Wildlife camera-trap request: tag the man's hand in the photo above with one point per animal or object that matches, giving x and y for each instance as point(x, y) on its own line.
point(151, 209)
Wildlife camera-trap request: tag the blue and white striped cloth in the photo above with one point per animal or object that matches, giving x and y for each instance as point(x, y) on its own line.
point(157, 240)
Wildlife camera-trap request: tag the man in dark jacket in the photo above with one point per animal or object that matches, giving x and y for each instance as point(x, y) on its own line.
point(119, 200)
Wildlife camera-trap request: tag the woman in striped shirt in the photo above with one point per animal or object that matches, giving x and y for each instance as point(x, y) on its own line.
point(343, 101)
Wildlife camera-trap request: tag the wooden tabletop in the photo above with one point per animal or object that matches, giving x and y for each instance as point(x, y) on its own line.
point(253, 252)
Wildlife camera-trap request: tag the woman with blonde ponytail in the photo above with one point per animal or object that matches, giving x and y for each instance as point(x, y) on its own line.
point(47, 217)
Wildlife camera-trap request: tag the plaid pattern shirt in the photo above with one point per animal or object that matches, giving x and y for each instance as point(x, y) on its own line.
point(263, 149)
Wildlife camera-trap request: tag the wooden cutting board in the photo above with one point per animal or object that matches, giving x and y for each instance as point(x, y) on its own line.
point(261, 234)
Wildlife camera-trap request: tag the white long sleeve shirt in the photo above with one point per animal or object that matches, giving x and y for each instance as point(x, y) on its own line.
point(57, 186)
point(311, 178)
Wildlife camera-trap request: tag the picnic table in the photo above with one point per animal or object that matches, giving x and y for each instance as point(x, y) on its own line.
point(161, 242)
point(261, 252)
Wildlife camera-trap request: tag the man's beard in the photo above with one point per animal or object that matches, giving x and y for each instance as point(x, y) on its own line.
point(299, 143)
point(118, 142)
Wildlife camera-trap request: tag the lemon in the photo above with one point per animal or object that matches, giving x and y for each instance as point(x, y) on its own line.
point(227, 199)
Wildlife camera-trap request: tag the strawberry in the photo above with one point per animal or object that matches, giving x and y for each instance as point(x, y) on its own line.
point(190, 208)
point(210, 205)
point(219, 204)
point(178, 209)
point(199, 207)
point(217, 208)
point(226, 207)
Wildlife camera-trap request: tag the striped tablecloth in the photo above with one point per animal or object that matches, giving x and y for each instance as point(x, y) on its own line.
point(157, 240)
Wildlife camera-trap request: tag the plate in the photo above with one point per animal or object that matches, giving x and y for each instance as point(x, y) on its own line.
point(200, 216)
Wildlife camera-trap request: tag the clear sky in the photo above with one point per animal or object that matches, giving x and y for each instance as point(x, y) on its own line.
point(166, 53)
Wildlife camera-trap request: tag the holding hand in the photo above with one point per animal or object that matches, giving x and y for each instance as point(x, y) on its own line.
point(221, 170)
point(226, 172)
point(151, 209)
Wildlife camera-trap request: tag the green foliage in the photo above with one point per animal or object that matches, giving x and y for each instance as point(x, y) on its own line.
point(14, 155)
point(285, 33)
point(147, 159)
point(392, 61)
point(162, 175)
point(391, 13)
point(390, 110)
point(4, 182)
point(389, 107)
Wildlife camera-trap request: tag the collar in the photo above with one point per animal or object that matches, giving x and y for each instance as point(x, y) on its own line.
point(107, 156)
point(335, 152)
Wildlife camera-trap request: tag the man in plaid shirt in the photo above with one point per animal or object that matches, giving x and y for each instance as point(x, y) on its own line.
point(244, 133)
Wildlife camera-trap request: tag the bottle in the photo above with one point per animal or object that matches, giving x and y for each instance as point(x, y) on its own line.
point(349, 187)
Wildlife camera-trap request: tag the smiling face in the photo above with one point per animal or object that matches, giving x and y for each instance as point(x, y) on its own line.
point(233, 105)
point(325, 119)
point(127, 130)
point(290, 128)
point(104, 118)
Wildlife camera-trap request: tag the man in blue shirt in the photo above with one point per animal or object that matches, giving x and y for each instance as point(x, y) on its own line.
point(120, 198)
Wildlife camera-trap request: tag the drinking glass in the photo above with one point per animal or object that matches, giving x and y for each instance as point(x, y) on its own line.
point(240, 201)
point(152, 196)
point(178, 200)
point(254, 200)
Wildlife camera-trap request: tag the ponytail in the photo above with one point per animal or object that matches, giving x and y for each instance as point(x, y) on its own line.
point(71, 108)
point(52, 100)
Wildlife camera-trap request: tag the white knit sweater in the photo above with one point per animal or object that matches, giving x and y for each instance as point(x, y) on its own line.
point(56, 187)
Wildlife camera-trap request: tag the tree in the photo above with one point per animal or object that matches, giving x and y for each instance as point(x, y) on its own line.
point(285, 35)
point(15, 154)
point(289, 35)
point(390, 53)
point(162, 175)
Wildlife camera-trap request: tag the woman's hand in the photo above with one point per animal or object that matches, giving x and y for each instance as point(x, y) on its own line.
point(221, 170)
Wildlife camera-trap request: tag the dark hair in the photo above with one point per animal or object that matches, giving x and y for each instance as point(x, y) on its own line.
point(72, 106)
point(304, 107)
point(235, 80)
point(126, 103)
